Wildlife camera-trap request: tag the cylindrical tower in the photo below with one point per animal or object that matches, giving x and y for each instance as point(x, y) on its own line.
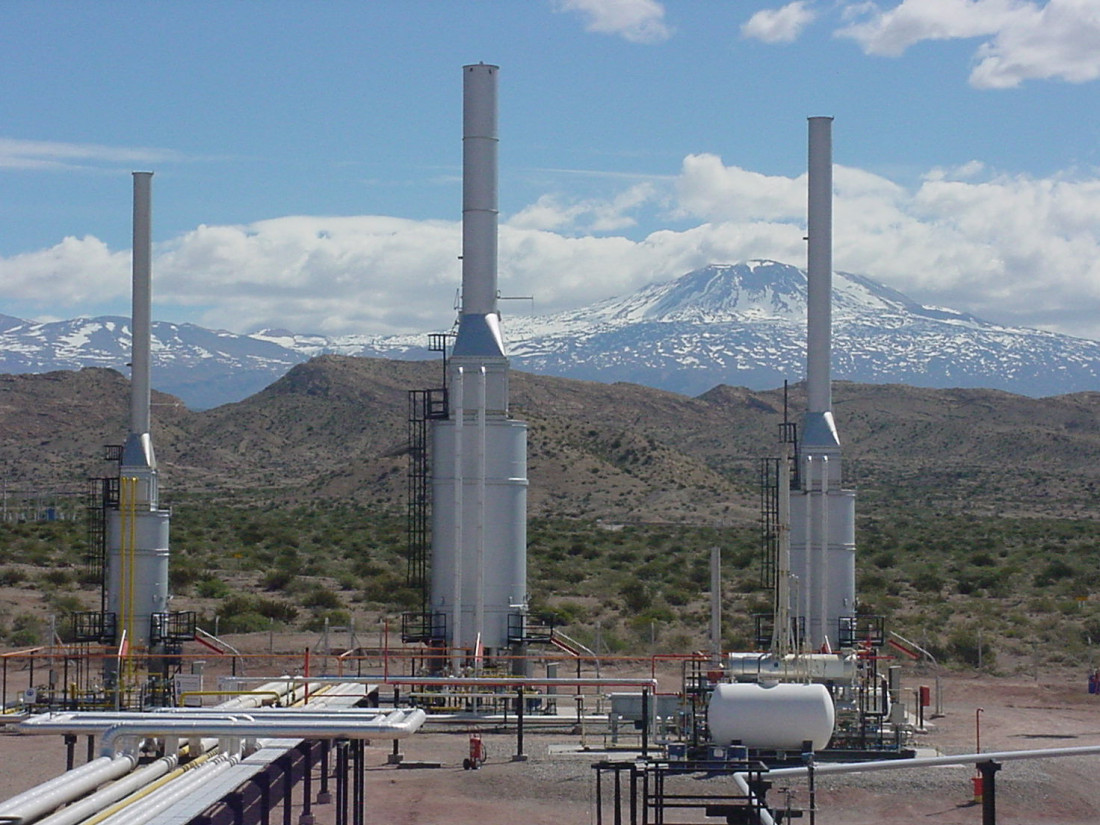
point(819, 266)
point(822, 514)
point(479, 453)
point(137, 529)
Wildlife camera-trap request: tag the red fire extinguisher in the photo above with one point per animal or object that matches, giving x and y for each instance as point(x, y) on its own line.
point(477, 753)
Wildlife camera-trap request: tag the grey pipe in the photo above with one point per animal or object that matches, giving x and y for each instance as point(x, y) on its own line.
point(934, 761)
point(143, 810)
point(396, 725)
point(79, 811)
point(42, 799)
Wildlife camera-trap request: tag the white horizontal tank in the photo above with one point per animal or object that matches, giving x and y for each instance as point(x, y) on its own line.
point(771, 716)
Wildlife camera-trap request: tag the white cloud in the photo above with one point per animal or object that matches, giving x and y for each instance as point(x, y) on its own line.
point(552, 212)
point(69, 275)
point(639, 21)
point(1009, 248)
point(44, 154)
point(314, 274)
point(707, 188)
point(1058, 39)
point(782, 25)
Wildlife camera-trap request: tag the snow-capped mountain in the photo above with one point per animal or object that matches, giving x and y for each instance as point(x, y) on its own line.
point(741, 324)
point(203, 367)
point(745, 324)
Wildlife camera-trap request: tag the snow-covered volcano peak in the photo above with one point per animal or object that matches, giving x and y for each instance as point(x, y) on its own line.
point(755, 290)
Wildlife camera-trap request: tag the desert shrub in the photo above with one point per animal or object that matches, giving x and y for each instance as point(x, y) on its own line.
point(336, 618)
point(963, 646)
point(1053, 571)
point(321, 598)
point(212, 588)
point(278, 579)
point(636, 596)
point(12, 577)
point(25, 630)
point(57, 577)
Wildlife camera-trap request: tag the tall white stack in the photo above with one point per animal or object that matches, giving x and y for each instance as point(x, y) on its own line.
point(822, 513)
point(479, 453)
point(137, 530)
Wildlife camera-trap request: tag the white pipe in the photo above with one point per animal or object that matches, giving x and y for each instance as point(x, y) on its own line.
point(456, 600)
point(781, 632)
point(80, 723)
point(145, 809)
point(807, 594)
point(819, 270)
point(764, 816)
point(395, 725)
point(479, 189)
point(523, 681)
point(79, 811)
point(141, 321)
point(44, 798)
point(716, 603)
point(479, 565)
point(823, 569)
point(936, 761)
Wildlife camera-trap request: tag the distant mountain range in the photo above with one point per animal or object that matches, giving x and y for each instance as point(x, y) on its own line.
point(739, 324)
point(336, 429)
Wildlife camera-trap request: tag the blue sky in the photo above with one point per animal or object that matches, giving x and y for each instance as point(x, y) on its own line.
point(307, 154)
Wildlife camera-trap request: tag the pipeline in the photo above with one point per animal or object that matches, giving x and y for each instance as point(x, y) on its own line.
point(89, 806)
point(70, 786)
point(143, 809)
point(935, 761)
point(395, 725)
point(42, 799)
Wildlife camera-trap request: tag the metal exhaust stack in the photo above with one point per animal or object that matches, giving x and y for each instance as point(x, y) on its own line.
point(819, 270)
point(138, 451)
point(479, 472)
point(822, 514)
point(137, 529)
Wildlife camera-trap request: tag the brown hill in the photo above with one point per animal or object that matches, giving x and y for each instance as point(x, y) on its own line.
point(337, 427)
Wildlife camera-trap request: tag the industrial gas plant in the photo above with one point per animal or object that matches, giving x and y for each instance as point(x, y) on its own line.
point(165, 744)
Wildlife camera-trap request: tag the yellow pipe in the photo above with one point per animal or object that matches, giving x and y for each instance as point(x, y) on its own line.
point(122, 804)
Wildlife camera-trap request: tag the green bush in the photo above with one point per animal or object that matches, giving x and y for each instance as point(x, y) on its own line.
point(211, 588)
point(321, 598)
point(636, 596)
point(12, 577)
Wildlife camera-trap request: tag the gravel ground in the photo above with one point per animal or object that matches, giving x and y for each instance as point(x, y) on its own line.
point(558, 789)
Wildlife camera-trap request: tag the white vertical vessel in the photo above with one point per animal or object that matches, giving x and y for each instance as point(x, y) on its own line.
point(137, 529)
point(479, 465)
point(822, 513)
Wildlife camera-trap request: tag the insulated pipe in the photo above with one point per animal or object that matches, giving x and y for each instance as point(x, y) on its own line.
point(42, 799)
point(716, 604)
point(823, 569)
point(764, 816)
point(521, 681)
point(479, 189)
point(145, 809)
point(396, 725)
point(80, 811)
point(479, 564)
point(807, 594)
point(934, 761)
point(80, 724)
point(457, 552)
point(141, 319)
point(781, 632)
point(819, 270)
